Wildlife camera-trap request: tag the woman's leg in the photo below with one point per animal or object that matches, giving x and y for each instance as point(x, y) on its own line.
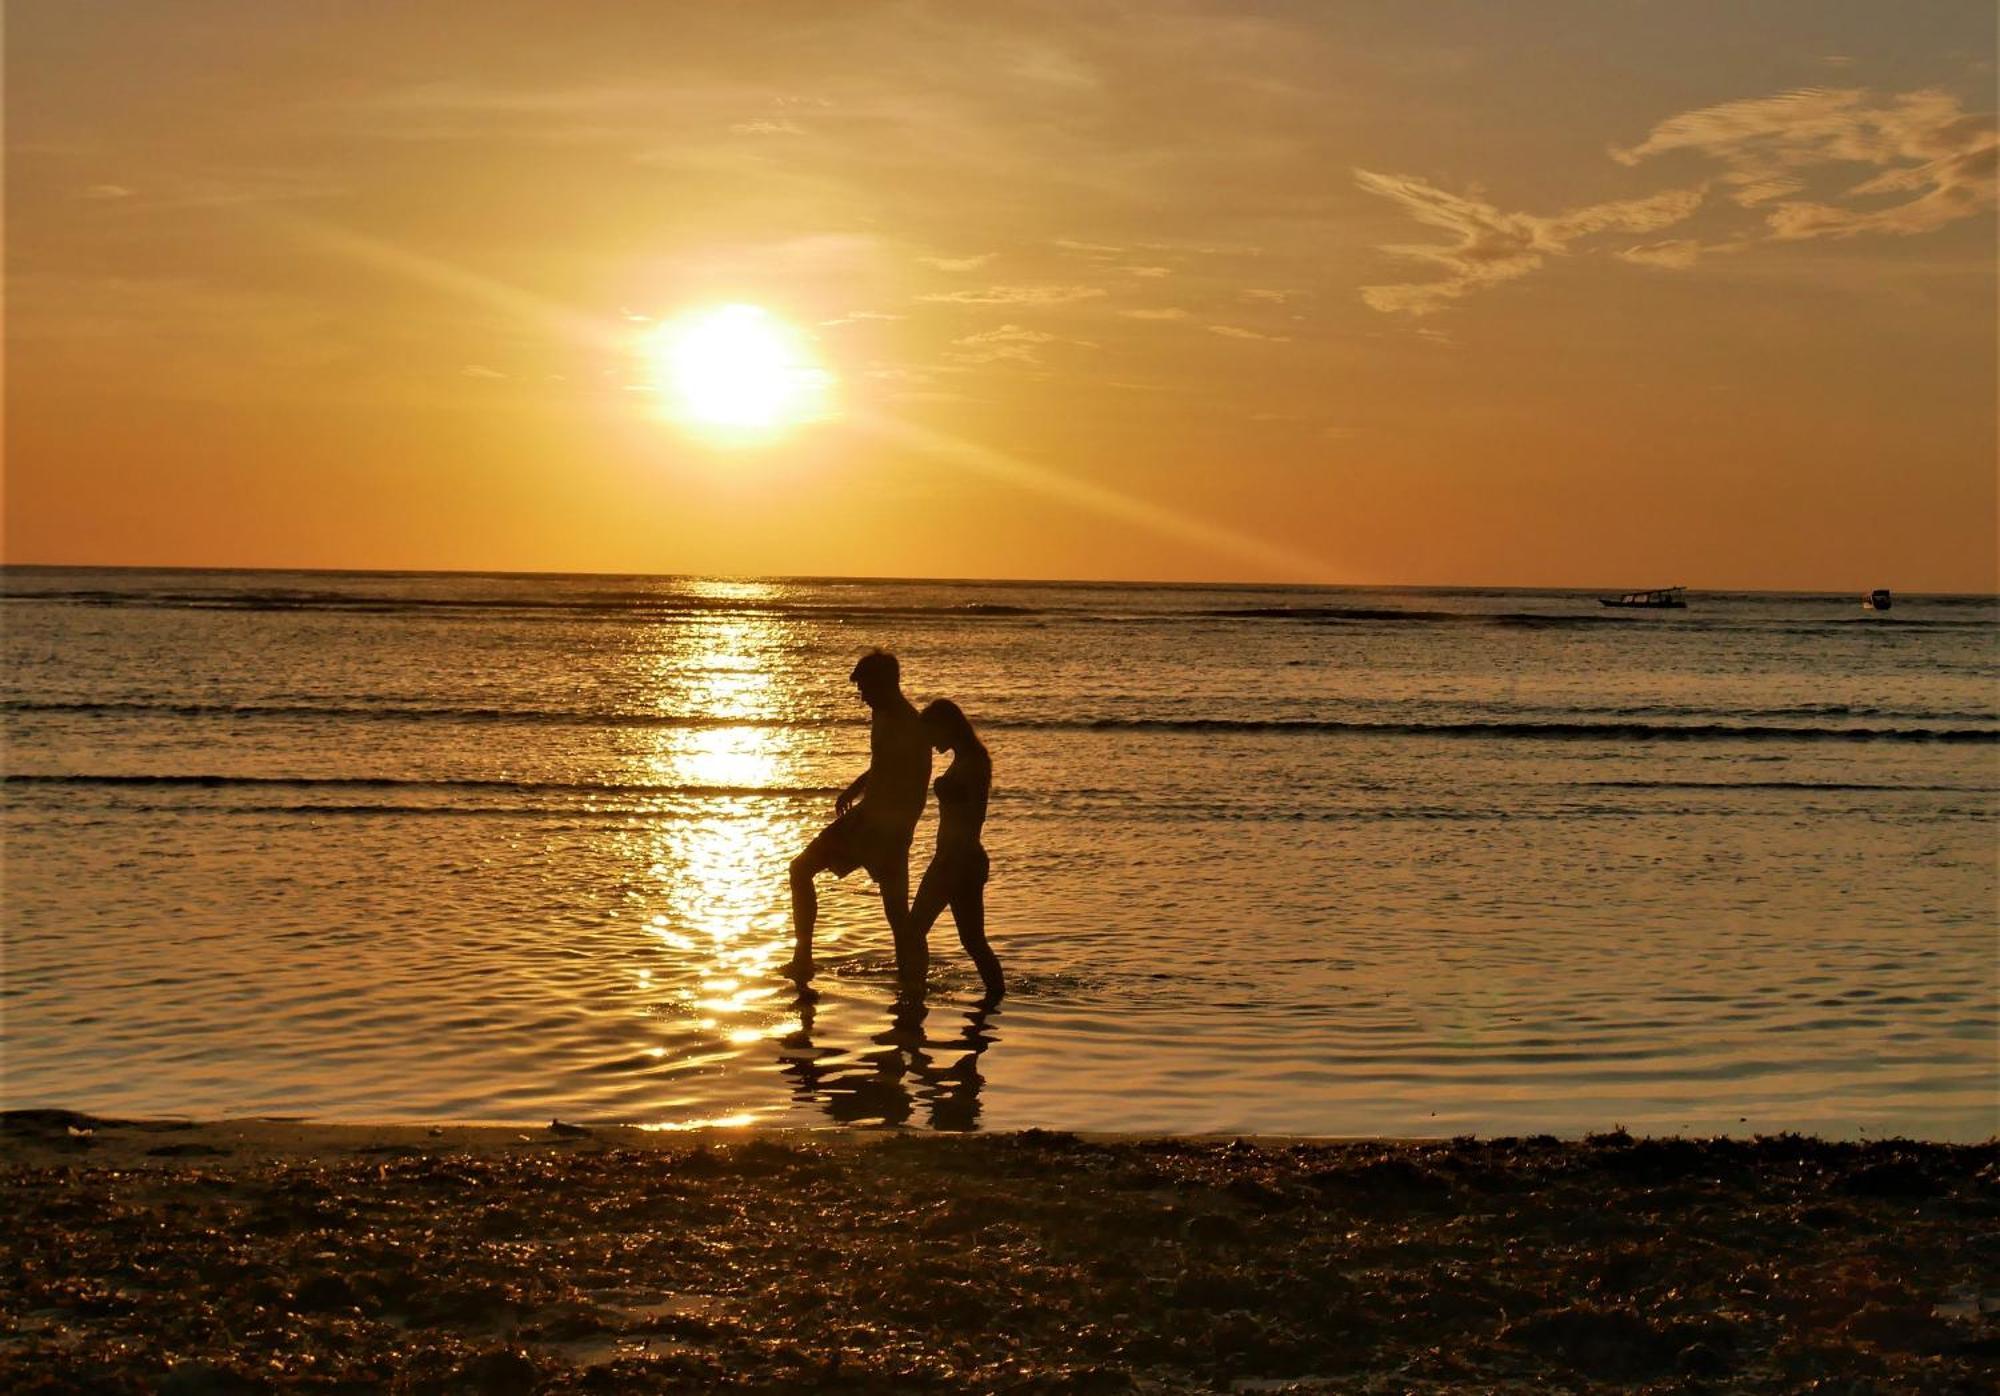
point(968, 910)
point(913, 941)
point(933, 895)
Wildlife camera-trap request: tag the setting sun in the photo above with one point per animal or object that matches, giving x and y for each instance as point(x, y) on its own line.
point(737, 371)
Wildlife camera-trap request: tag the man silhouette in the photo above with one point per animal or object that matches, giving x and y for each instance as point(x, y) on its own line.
point(874, 818)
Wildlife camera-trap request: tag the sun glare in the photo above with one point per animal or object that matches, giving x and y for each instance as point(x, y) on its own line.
point(737, 372)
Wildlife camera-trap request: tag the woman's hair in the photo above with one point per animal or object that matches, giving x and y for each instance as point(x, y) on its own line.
point(947, 715)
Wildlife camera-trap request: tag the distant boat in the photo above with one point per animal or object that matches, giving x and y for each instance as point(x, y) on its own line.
point(1877, 600)
point(1658, 599)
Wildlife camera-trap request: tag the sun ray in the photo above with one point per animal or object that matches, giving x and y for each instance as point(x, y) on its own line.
point(1290, 564)
point(1277, 559)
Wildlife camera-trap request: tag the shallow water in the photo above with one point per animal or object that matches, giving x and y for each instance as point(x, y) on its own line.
point(1331, 862)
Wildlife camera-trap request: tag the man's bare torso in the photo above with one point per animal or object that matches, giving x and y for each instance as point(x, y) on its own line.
point(899, 766)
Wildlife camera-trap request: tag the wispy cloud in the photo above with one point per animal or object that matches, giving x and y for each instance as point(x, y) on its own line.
point(1931, 163)
point(1200, 249)
point(1489, 245)
point(1147, 273)
point(454, 96)
point(901, 373)
point(1099, 250)
point(1675, 253)
point(1238, 332)
point(957, 263)
point(767, 128)
point(1165, 312)
point(1017, 295)
point(853, 316)
point(1009, 343)
point(1925, 144)
point(1275, 295)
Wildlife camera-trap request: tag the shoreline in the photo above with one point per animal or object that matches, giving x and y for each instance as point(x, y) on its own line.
point(45, 1135)
point(253, 1255)
point(38, 1136)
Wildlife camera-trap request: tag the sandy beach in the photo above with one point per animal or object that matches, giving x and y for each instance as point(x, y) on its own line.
point(258, 1255)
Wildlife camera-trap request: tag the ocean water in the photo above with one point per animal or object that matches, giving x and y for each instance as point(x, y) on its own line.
point(420, 847)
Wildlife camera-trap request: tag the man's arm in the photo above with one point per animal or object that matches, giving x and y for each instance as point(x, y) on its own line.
point(845, 800)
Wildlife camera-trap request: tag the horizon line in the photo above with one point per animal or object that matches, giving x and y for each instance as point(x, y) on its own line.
point(7, 566)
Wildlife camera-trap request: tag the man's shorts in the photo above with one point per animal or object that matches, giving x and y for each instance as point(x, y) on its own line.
point(859, 840)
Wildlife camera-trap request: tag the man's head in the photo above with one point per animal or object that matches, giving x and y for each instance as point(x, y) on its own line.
point(878, 676)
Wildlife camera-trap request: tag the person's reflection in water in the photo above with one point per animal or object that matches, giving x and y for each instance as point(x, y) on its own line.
point(906, 1069)
point(953, 1096)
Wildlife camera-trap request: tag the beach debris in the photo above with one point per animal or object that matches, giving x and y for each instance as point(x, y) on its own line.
point(1000, 1262)
point(214, 1378)
point(324, 1292)
point(499, 1372)
point(1610, 1343)
point(1899, 1177)
point(1213, 1229)
point(1702, 1361)
point(45, 1121)
point(1964, 1303)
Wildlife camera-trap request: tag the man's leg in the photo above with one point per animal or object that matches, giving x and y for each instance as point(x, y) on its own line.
point(805, 910)
point(912, 959)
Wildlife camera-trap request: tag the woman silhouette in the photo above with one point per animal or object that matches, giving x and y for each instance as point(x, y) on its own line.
point(957, 875)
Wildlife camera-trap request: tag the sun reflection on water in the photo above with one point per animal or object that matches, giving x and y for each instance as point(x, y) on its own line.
point(716, 898)
point(738, 1120)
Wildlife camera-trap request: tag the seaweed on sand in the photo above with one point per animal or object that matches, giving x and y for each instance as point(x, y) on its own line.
point(1029, 1262)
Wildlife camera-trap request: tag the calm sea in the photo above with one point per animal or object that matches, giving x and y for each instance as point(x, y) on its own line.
point(419, 847)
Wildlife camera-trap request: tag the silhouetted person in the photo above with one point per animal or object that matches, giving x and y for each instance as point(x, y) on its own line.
point(957, 875)
point(874, 819)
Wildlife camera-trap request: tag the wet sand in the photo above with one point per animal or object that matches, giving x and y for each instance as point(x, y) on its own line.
point(264, 1255)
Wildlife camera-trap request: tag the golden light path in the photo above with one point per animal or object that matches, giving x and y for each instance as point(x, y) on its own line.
point(717, 874)
point(618, 336)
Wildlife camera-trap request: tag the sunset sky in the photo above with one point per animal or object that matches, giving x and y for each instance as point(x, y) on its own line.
point(1602, 294)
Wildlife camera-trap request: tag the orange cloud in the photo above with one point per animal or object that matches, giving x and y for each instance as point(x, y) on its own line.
point(1926, 145)
point(1490, 245)
point(1017, 295)
point(1009, 343)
